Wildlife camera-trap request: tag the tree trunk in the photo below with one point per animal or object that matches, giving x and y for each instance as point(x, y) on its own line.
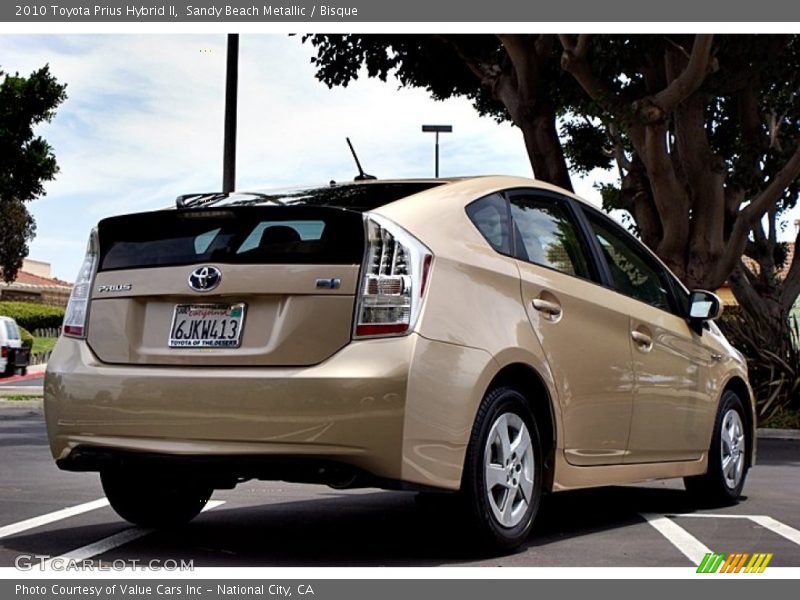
point(523, 90)
point(669, 193)
point(544, 148)
point(536, 118)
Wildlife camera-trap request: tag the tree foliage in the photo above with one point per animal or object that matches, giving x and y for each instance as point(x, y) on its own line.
point(703, 131)
point(26, 160)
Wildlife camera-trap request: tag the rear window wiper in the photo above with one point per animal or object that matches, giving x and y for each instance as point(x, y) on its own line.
point(187, 200)
point(265, 197)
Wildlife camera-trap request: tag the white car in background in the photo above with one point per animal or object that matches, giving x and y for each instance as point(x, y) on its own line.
point(12, 354)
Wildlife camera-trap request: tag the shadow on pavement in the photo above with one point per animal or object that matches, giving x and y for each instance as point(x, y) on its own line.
point(372, 529)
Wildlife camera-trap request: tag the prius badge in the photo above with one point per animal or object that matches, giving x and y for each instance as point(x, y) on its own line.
point(115, 287)
point(205, 279)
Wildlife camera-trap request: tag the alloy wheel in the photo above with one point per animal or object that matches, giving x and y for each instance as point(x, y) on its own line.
point(733, 448)
point(509, 469)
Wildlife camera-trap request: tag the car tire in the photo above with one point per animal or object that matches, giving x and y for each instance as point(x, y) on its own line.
point(155, 501)
point(23, 371)
point(727, 456)
point(502, 486)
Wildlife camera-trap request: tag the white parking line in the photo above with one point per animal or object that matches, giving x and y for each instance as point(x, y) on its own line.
point(64, 513)
point(710, 516)
point(104, 545)
point(782, 529)
point(114, 541)
point(684, 541)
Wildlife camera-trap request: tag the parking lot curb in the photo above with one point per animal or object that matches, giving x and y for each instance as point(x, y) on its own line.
point(34, 404)
point(34, 372)
point(15, 390)
point(778, 434)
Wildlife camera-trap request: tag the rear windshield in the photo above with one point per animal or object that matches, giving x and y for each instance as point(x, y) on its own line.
point(233, 235)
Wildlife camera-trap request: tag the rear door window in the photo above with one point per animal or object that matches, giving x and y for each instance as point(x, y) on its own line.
point(547, 235)
point(634, 273)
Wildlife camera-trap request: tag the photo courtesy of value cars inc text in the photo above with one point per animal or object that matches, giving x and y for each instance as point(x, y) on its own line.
point(172, 589)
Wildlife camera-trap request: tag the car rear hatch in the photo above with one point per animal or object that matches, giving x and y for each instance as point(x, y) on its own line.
point(236, 285)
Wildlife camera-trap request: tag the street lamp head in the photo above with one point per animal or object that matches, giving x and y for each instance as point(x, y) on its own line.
point(437, 129)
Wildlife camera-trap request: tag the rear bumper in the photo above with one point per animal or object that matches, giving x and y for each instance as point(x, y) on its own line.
point(225, 471)
point(398, 410)
point(14, 357)
point(21, 357)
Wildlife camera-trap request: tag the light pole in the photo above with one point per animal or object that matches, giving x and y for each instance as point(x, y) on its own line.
point(437, 129)
point(229, 143)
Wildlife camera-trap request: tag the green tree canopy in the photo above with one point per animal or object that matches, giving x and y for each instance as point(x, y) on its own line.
point(26, 160)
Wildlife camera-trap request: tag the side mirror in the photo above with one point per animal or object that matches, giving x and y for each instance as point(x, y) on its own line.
point(704, 306)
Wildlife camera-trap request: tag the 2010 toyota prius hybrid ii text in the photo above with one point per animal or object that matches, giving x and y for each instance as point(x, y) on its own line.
point(493, 337)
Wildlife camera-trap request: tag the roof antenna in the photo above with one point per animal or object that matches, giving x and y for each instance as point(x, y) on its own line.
point(361, 175)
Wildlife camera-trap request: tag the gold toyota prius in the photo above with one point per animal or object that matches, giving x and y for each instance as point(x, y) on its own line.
point(492, 337)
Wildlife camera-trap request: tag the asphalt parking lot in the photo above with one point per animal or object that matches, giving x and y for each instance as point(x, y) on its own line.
point(44, 511)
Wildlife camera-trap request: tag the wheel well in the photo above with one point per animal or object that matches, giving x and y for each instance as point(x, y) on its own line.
point(737, 385)
point(527, 381)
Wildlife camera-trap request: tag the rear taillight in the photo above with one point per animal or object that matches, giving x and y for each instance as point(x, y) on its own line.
point(396, 266)
point(77, 312)
point(4, 352)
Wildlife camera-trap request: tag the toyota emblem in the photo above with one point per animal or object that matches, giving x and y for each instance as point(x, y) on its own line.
point(205, 279)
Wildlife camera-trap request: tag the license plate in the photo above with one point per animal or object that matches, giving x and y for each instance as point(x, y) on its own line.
point(207, 326)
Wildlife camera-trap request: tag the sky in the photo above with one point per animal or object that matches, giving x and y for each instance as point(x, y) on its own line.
point(144, 123)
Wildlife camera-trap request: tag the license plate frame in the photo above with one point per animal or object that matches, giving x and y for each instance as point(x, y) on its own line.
point(213, 335)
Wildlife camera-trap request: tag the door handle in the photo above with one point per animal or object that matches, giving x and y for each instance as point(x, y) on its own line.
point(551, 309)
point(642, 339)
